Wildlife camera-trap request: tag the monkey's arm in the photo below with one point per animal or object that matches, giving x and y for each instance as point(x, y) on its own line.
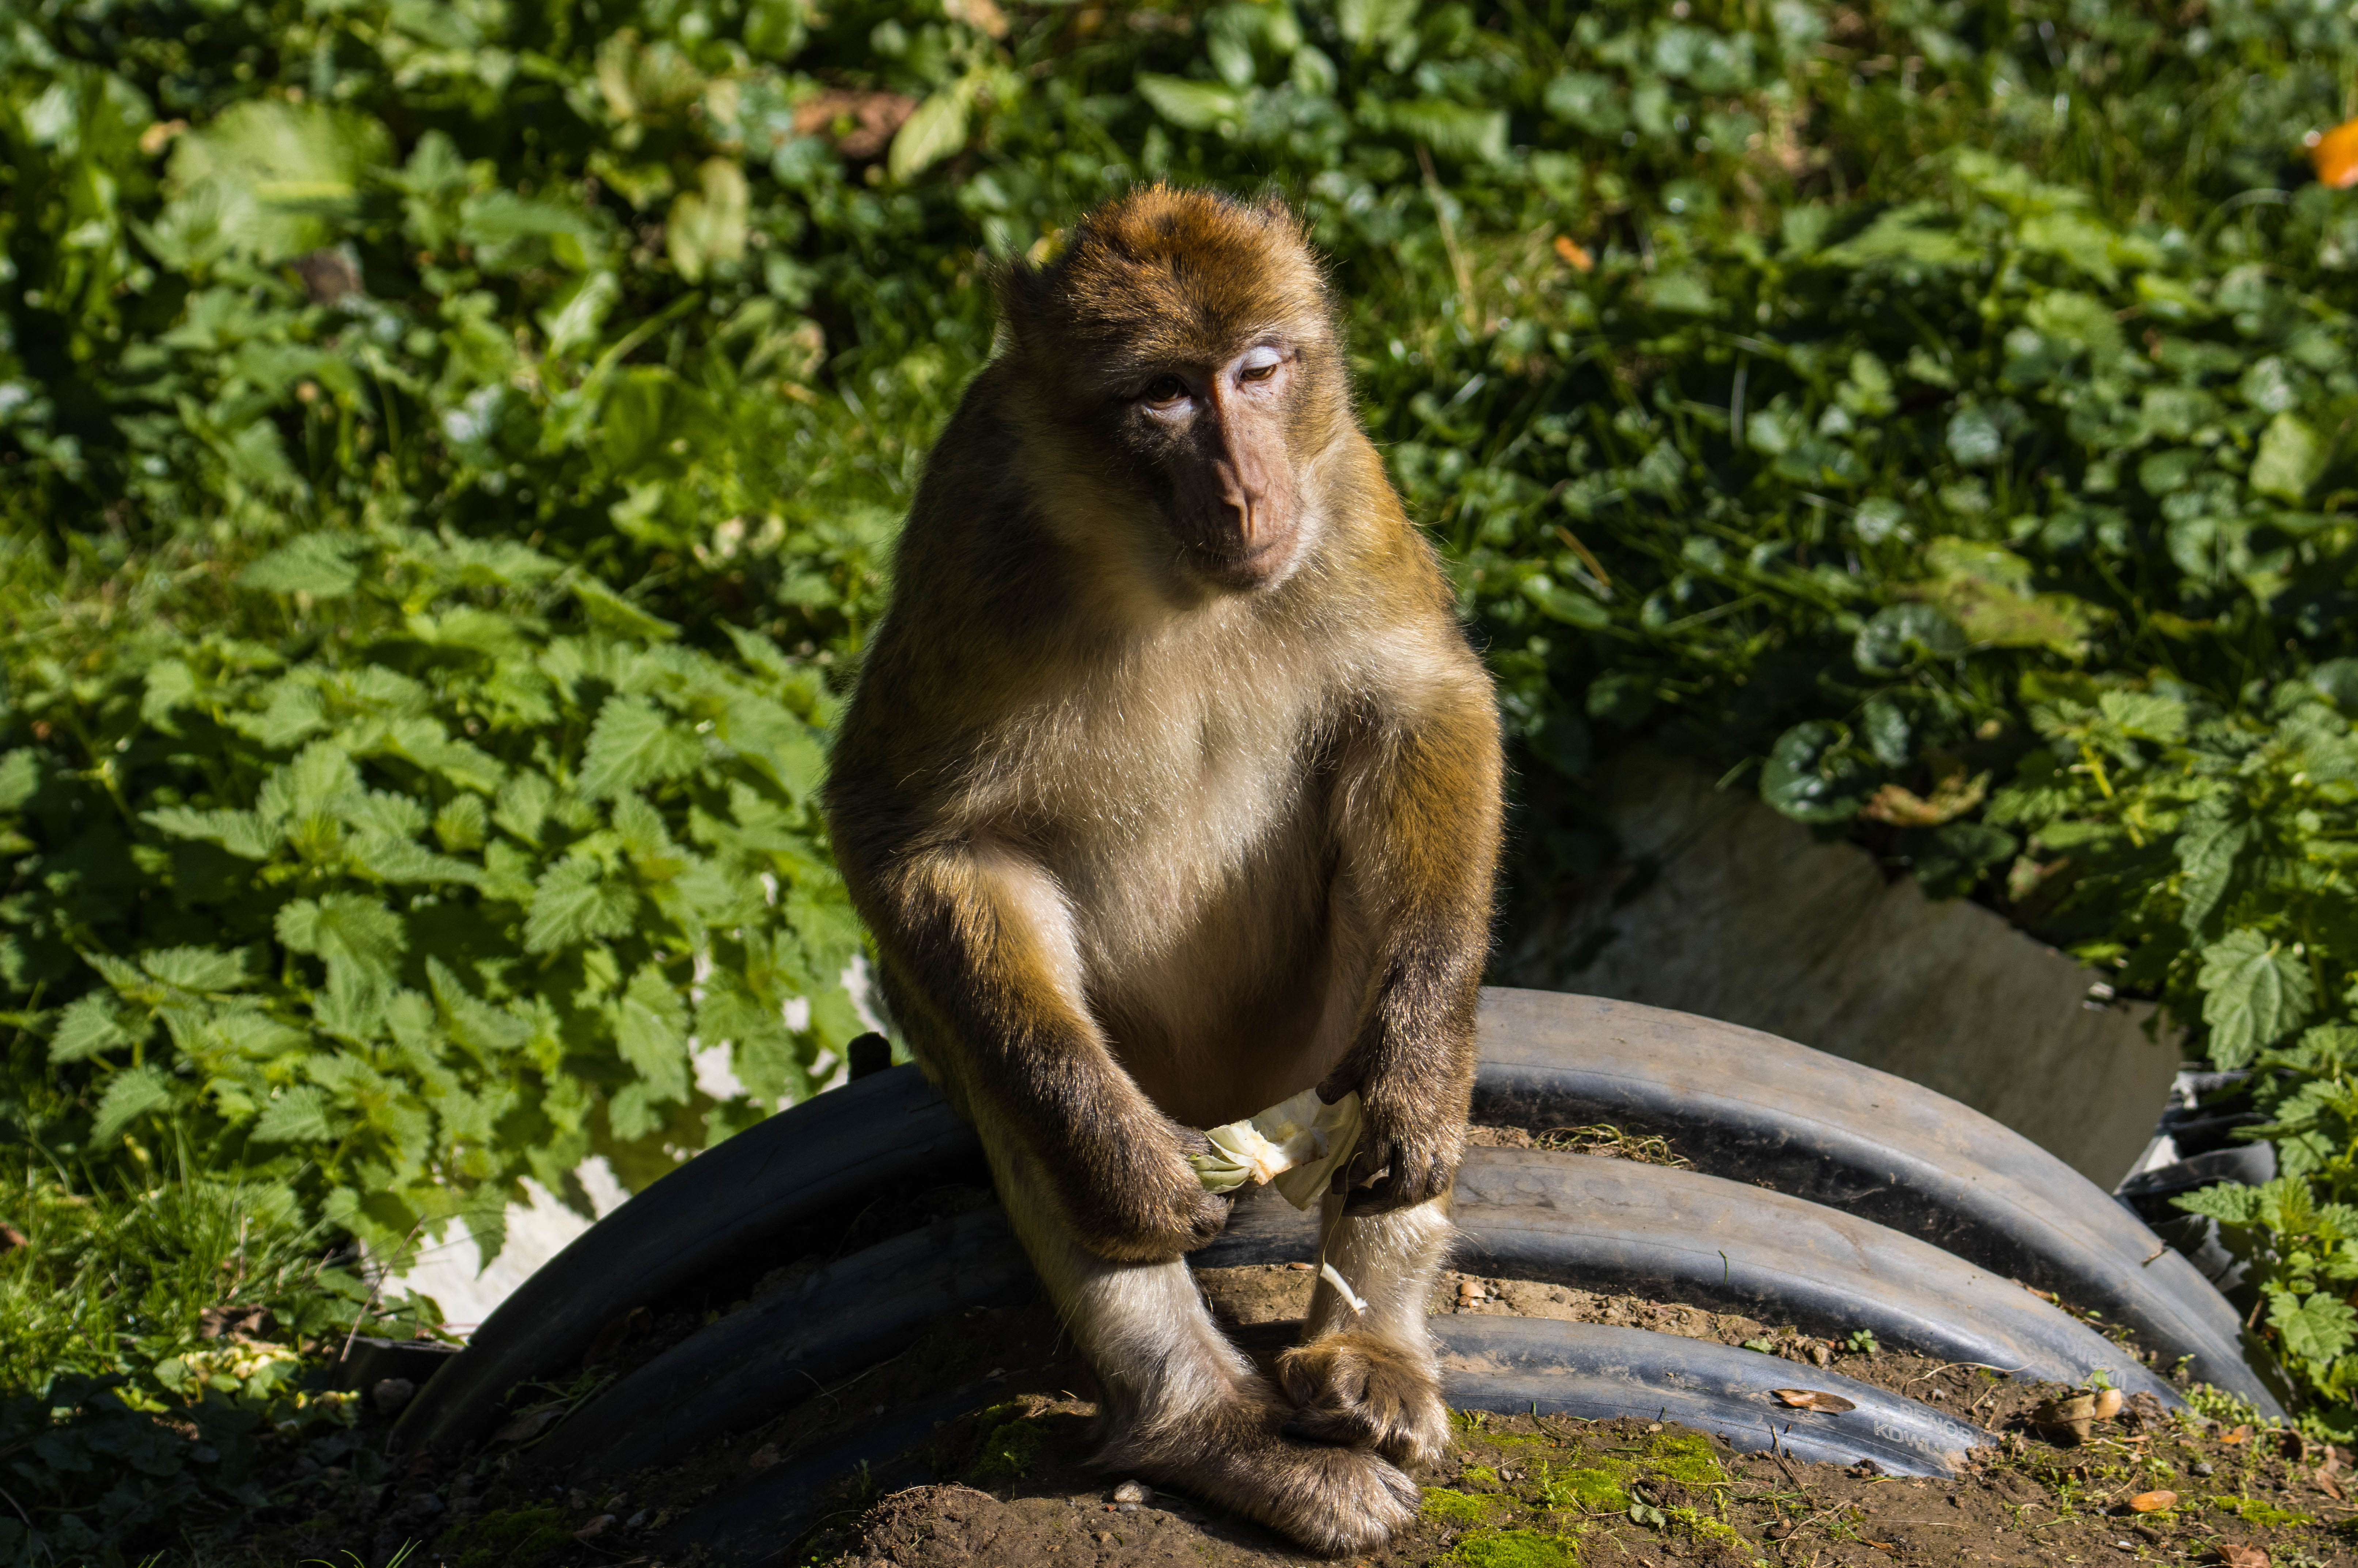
point(983, 943)
point(1419, 822)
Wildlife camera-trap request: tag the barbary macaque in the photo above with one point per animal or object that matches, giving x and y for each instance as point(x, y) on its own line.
point(1172, 789)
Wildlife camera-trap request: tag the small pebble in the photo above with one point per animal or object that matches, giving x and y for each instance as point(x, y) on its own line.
point(1125, 1507)
point(391, 1393)
point(2201, 1466)
point(1133, 1492)
point(636, 1521)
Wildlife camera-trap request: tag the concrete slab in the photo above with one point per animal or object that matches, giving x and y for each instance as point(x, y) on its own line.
point(1726, 908)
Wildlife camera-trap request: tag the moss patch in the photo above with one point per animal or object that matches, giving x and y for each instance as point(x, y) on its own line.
point(1686, 1460)
point(1590, 1490)
point(520, 1536)
point(1460, 1507)
point(1011, 1442)
point(2251, 1510)
point(1517, 1549)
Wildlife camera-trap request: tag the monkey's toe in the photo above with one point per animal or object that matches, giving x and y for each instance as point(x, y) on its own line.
point(1333, 1501)
point(1356, 1390)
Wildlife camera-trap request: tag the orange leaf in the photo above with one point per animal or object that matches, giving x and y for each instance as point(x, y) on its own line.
point(2335, 155)
point(1575, 253)
point(1813, 1400)
point(2153, 1502)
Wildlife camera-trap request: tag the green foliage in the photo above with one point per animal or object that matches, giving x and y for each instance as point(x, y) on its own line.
point(434, 889)
point(154, 1335)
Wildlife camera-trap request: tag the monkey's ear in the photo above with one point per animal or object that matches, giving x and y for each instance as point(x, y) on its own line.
point(1024, 296)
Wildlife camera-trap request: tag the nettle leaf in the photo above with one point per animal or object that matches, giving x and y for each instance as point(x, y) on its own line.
point(325, 565)
point(197, 968)
point(2228, 1203)
point(2255, 994)
point(88, 1026)
point(353, 927)
point(650, 1031)
point(2217, 833)
point(130, 1094)
point(574, 903)
point(2318, 1328)
point(297, 1114)
point(634, 744)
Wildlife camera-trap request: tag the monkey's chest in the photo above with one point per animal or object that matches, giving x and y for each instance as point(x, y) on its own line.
point(1200, 900)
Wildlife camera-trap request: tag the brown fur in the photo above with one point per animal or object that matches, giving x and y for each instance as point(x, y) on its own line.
point(1170, 788)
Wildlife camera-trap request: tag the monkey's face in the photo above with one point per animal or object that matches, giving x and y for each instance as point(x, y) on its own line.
point(1181, 354)
point(1218, 435)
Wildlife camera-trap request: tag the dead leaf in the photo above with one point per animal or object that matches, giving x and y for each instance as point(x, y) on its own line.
point(595, 1528)
point(11, 1237)
point(863, 124)
point(2241, 1434)
point(2108, 1404)
point(1575, 253)
point(329, 276)
point(982, 15)
point(2335, 156)
point(158, 136)
point(762, 1459)
point(1952, 798)
point(2236, 1556)
point(2326, 1484)
point(238, 1325)
point(2154, 1503)
point(1815, 1400)
point(529, 1425)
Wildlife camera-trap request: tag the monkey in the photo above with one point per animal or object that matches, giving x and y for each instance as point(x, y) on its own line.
point(1170, 785)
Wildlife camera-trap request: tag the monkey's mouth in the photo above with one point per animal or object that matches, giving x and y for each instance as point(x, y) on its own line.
point(1232, 563)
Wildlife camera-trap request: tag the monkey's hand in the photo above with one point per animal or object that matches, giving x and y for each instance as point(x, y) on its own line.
point(1140, 1202)
point(1404, 1158)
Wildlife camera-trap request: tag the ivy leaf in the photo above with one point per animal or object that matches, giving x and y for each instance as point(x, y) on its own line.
point(572, 903)
point(1810, 775)
point(2255, 992)
point(632, 745)
point(2290, 458)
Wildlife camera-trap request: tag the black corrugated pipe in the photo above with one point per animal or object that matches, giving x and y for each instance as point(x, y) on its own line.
point(1740, 1103)
point(1753, 1108)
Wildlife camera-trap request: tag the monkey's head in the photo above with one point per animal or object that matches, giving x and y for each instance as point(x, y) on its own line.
point(1185, 354)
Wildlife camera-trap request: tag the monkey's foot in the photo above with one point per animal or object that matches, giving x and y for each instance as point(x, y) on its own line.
point(1334, 1501)
point(1359, 1390)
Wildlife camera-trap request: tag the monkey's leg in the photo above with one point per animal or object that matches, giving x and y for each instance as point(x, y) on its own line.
point(1370, 1376)
point(1182, 1407)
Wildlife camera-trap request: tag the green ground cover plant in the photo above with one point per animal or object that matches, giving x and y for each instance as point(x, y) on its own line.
point(451, 454)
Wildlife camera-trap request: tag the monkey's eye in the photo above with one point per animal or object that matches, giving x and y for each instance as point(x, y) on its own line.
point(1260, 364)
point(1166, 390)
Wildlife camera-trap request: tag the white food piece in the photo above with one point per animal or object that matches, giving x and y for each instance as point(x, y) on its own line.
point(1334, 1276)
point(1296, 1144)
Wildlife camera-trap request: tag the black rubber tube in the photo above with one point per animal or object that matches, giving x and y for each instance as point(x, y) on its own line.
point(1754, 1107)
point(1596, 1372)
point(1648, 1230)
point(1605, 1225)
point(1511, 1366)
point(1742, 1104)
point(830, 1153)
point(851, 1313)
